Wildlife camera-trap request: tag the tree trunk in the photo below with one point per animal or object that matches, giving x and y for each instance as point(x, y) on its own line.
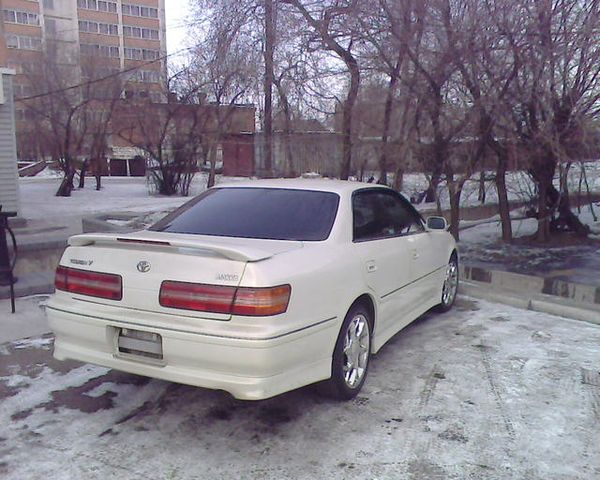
point(543, 231)
point(347, 118)
point(66, 186)
point(503, 204)
point(566, 220)
point(290, 169)
point(268, 88)
point(84, 169)
point(481, 193)
point(387, 117)
point(431, 193)
point(455, 195)
point(213, 165)
point(399, 178)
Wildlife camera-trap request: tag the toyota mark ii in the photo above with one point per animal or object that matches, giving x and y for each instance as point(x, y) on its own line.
point(255, 288)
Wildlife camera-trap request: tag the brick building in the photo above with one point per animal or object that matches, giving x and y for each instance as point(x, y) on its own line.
point(225, 131)
point(85, 39)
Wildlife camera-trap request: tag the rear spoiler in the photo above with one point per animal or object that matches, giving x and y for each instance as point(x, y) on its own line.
point(233, 252)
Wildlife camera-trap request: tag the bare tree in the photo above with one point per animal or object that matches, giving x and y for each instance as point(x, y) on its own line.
point(170, 135)
point(555, 93)
point(68, 114)
point(388, 30)
point(333, 25)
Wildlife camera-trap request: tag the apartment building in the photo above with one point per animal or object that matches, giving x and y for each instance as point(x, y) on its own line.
point(84, 39)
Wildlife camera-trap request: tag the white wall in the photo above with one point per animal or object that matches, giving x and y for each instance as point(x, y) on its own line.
point(9, 175)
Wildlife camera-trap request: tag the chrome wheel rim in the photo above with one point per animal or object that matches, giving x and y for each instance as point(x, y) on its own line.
point(450, 283)
point(357, 344)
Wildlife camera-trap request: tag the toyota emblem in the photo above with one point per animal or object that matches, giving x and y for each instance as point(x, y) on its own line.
point(143, 266)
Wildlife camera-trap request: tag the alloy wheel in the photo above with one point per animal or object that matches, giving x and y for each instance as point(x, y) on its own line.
point(356, 351)
point(450, 283)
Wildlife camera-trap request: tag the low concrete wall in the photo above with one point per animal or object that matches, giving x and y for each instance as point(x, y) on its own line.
point(530, 286)
point(43, 256)
point(33, 169)
point(100, 223)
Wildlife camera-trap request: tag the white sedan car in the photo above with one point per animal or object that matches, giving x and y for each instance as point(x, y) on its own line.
point(256, 288)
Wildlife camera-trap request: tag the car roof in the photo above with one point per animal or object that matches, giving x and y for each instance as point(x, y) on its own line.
point(341, 187)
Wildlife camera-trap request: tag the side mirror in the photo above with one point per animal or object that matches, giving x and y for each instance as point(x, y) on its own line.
point(437, 223)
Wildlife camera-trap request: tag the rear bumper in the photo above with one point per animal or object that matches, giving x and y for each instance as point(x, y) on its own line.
point(248, 368)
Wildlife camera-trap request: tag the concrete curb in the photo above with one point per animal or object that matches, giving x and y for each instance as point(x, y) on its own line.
point(99, 223)
point(528, 286)
point(539, 302)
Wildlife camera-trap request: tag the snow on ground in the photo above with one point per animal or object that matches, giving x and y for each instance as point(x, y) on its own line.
point(519, 186)
point(485, 391)
point(118, 194)
point(131, 194)
point(41, 207)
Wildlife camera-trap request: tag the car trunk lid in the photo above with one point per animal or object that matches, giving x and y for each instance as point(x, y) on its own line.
point(146, 259)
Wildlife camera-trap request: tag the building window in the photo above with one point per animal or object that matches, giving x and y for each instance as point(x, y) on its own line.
point(150, 76)
point(22, 18)
point(108, 28)
point(49, 4)
point(138, 32)
point(21, 90)
point(27, 68)
point(23, 42)
point(100, 5)
point(133, 53)
point(90, 71)
point(145, 76)
point(95, 27)
point(50, 24)
point(141, 54)
point(95, 50)
point(12, 41)
point(139, 11)
point(88, 27)
point(149, 54)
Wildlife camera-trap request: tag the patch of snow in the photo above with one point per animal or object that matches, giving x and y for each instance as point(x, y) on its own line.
point(40, 391)
point(120, 223)
point(16, 381)
point(39, 342)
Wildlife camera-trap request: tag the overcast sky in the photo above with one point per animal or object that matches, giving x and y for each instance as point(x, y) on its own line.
point(177, 13)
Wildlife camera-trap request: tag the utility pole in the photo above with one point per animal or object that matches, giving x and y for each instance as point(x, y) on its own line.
point(268, 116)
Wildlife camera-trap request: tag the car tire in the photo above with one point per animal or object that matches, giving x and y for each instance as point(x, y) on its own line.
point(450, 285)
point(351, 355)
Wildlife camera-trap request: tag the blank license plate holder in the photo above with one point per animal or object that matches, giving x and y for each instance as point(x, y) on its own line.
point(139, 343)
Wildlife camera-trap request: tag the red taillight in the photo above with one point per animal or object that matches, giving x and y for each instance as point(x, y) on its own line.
point(261, 301)
point(93, 284)
point(196, 296)
point(224, 299)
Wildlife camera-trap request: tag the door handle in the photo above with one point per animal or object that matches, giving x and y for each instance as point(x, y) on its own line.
point(415, 254)
point(371, 266)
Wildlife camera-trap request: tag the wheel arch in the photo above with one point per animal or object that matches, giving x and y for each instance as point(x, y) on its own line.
point(368, 302)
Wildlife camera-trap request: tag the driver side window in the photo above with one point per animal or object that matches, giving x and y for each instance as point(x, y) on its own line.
point(381, 214)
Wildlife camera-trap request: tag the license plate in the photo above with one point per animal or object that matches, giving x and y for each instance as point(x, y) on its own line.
point(140, 343)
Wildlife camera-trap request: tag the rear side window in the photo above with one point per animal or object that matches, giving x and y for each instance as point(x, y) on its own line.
point(265, 213)
point(381, 214)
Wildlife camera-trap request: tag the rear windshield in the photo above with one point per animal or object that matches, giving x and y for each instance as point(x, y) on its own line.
point(266, 213)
